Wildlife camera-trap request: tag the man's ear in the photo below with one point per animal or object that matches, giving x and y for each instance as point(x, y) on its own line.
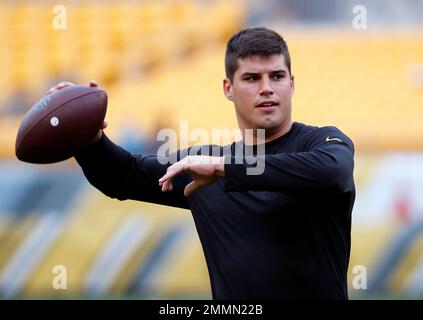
point(292, 85)
point(227, 89)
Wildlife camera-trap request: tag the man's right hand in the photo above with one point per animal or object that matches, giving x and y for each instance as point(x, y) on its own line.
point(65, 84)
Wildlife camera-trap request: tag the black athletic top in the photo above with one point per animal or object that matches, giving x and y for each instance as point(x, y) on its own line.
point(283, 234)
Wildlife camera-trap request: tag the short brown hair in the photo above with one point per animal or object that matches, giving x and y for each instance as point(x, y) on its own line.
point(257, 41)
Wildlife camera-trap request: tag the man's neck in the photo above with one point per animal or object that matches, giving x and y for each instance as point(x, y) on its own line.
point(269, 135)
point(280, 132)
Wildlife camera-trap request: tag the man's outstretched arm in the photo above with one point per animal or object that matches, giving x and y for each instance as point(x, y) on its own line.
point(122, 175)
point(327, 168)
point(326, 165)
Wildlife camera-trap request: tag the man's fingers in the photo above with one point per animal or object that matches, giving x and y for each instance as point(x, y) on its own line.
point(174, 170)
point(190, 188)
point(167, 186)
point(59, 86)
point(64, 84)
point(166, 181)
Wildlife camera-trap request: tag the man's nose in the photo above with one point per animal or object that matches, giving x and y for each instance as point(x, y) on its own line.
point(265, 87)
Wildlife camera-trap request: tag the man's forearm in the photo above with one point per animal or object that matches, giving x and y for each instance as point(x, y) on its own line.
point(328, 169)
point(106, 166)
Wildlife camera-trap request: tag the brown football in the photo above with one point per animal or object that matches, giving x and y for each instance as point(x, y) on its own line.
point(61, 124)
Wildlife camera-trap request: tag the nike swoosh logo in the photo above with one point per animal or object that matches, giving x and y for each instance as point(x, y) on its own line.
point(333, 139)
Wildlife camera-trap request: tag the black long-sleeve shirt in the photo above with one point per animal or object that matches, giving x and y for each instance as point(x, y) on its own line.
point(283, 234)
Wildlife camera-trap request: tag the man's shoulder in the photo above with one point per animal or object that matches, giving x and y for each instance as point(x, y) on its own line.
point(309, 133)
point(305, 129)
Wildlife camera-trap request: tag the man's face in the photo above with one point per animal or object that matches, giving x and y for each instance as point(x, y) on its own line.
point(261, 91)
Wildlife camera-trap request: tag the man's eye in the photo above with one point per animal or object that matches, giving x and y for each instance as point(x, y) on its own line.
point(278, 76)
point(252, 78)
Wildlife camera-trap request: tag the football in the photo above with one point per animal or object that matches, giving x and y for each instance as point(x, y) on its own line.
point(61, 124)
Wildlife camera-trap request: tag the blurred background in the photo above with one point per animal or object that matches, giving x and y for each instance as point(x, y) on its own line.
point(358, 65)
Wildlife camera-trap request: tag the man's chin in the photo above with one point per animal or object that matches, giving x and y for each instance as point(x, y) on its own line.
point(268, 125)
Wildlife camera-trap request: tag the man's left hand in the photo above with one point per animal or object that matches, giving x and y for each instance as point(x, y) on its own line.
point(204, 170)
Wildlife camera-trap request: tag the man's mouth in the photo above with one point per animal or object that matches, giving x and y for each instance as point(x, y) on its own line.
point(267, 104)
